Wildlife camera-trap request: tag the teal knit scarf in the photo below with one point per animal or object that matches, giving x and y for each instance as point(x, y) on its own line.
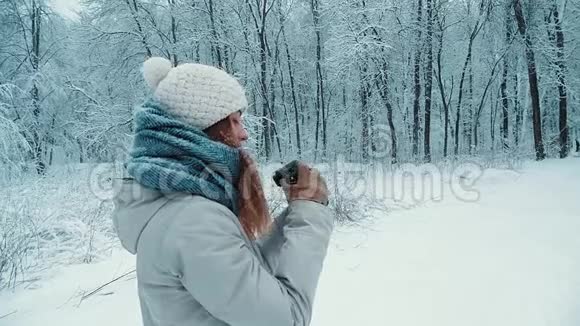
point(171, 156)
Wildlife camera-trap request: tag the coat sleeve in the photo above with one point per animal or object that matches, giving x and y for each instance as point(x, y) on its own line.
point(223, 274)
point(271, 243)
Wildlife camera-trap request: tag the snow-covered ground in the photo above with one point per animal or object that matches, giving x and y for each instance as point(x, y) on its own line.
point(510, 258)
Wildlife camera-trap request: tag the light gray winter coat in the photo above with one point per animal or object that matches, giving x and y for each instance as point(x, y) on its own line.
point(196, 266)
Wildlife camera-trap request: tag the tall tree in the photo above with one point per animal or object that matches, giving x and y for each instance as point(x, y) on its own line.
point(215, 46)
point(428, 82)
point(134, 9)
point(484, 7)
point(291, 73)
point(173, 53)
point(563, 134)
point(35, 55)
point(504, 129)
point(320, 103)
point(445, 101)
point(417, 79)
point(532, 80)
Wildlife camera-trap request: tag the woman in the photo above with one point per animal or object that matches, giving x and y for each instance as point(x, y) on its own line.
point(194, 213)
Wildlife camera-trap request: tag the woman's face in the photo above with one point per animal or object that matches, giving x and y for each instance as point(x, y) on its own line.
point(238, 132)
point(229, 131)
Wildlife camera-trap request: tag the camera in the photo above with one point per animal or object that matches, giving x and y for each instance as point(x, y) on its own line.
point(288, 172)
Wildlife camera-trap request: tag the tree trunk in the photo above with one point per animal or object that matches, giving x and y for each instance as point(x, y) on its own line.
point(532, 79)
point(483, 13)
point(482, 102)
point(228, 56)
point(173, 33)
point(135, 14)
point(283, 101)
point(504, 131)
point(272, 102)
point(381, 81)
point(216, 49)
point(492, 118)
point(517, 109)
point(320, 104)
point(563, 97)
point(444, 100)
point(260, 27)
point(81, 151)
point(460, 96)
point(382, 85)
point(428, 83)
point(293, 91)
point(35, 93)
point(364, 96)
point(469, 122)
point(417, 79)
point(264, 91)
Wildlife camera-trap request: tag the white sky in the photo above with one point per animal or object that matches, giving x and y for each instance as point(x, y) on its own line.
point(67, 8)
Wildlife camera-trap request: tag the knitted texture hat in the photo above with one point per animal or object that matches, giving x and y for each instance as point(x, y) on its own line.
point(197, 94)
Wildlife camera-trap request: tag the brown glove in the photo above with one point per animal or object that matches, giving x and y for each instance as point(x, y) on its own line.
point(310, 186)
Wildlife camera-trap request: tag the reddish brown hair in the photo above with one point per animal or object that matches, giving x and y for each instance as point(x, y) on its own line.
point(253, 212)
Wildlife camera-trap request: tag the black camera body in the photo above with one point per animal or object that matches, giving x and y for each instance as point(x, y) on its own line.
point(288, 172)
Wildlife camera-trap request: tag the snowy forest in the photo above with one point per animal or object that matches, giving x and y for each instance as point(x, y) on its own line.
point(396, 81)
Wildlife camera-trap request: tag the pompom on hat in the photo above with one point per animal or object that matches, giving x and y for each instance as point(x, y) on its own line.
point(197, 94)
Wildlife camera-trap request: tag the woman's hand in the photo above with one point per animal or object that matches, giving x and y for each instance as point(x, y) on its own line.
point(310, 186)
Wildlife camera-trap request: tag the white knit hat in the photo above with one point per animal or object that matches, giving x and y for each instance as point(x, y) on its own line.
point(197, 94)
